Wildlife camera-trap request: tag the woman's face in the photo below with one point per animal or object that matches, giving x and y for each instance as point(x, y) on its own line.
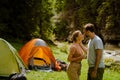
point(80, 36)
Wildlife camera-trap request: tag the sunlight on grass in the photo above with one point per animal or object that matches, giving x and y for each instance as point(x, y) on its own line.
point(62, 75)
point(56, 75)
point(84, 70)
point(111, 75)
point(39, 75)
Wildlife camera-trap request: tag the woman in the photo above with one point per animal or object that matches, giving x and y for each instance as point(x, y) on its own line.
point(75, 56)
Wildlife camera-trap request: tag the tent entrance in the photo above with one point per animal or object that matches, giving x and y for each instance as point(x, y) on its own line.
point(39, 61)
point(39, 64)
point(42, 64)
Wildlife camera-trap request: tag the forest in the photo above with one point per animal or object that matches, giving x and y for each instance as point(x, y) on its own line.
point(57, 19)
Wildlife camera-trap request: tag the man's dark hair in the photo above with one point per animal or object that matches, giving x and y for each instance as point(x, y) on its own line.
point(90, 27)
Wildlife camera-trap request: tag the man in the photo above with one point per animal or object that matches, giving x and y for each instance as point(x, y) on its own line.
point(95, 54)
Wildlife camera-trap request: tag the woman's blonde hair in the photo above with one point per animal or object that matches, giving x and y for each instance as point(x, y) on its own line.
point(75, 35)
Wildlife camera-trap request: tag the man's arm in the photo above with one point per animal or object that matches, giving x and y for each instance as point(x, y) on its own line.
point(97, 61)
point(98, 58)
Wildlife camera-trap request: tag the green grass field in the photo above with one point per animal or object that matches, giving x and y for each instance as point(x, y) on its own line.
point(61, 75)
point(56, 75)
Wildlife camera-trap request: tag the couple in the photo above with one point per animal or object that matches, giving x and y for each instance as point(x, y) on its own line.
point(94, 55)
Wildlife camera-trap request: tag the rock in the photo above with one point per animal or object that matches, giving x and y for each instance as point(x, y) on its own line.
point(111, 57)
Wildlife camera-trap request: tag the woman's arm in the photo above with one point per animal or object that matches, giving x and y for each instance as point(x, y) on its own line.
point(70, 56)
point(83, 47)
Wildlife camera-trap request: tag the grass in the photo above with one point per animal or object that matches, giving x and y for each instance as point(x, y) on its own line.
point(111, 75)
point(55, 75)
point(61, 75)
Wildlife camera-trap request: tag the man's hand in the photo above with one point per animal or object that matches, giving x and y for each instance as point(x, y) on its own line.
point(94, 74)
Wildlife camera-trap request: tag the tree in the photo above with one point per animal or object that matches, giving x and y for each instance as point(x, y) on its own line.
point(109, 19)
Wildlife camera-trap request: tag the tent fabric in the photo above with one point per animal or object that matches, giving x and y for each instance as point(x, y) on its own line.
point(37, 53)
point(10, 61)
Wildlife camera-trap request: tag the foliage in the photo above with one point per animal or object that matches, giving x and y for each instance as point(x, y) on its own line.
point(61, 31)
point(26, 19)
point(111, 64)
point(108, 17)
point(108, 61)
point(103, 13)
point(115, 67)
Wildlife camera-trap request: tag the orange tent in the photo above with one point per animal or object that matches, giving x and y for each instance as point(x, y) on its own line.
point(37, 53)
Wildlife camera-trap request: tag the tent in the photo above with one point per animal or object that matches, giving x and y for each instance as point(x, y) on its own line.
point(10, 61)
point(37, 54)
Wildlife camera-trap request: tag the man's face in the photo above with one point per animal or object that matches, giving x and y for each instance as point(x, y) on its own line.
point(85, 32)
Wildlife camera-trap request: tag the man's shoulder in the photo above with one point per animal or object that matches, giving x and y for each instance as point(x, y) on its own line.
point(97, 38)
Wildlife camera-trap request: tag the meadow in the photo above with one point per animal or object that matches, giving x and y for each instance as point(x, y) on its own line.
point(60, 53)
